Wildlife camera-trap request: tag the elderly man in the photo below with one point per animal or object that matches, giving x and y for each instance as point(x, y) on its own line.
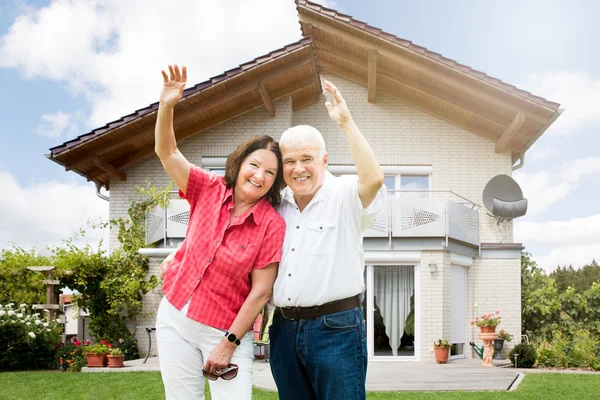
point(318, 335)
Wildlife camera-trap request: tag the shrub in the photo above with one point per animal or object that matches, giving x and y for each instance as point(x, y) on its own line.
point(129, 347)
point(70, 357)
point(27, 340)
point(583, 350)
point(526, 355)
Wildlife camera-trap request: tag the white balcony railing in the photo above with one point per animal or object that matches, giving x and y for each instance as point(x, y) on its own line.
point(407, 213)
point(427, 213)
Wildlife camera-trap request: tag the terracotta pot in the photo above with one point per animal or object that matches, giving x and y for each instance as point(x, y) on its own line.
point(441, 354)
point(116, 361)
point(95, 360)
point(488, 329)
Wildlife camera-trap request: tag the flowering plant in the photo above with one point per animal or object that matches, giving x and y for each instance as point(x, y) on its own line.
point(488, 319)
point(504, 335)
point(442, 343)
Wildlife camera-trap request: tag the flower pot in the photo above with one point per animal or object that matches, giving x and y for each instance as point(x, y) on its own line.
point(95, 360)
point(498, 344)
point(488, 329)
point(441, 354)
point(116, 361)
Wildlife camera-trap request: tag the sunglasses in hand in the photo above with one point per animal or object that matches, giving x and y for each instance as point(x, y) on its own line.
point(226, 373)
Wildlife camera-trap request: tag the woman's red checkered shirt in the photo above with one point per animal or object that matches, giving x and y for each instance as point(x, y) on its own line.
point(214, 264)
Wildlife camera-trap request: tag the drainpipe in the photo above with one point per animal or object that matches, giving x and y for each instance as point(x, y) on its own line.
point(103, 197)
point(521, 163)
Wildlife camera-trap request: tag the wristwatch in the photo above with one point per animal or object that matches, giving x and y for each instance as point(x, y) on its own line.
point(232, 338)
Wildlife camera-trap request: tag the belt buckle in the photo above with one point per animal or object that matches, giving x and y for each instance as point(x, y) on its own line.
point(285, 310)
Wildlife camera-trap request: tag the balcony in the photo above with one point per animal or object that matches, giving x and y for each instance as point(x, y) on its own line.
point(407, 213)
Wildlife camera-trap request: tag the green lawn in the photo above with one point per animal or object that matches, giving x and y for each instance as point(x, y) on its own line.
point(148, 385)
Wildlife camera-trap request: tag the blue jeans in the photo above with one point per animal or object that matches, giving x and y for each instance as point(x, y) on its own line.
point(323, 358)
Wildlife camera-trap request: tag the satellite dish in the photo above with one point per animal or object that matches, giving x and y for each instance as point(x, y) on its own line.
point(503, 197)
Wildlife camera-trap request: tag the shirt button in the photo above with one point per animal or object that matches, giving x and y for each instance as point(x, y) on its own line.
point(243, 246)
point(289, 299)
point(297, 227)
point(289, 274)
point(217, 242)
point(208, 260)
point(321, 228)
point(293, 249)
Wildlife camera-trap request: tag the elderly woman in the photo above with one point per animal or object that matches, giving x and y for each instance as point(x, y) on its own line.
point(224, 272)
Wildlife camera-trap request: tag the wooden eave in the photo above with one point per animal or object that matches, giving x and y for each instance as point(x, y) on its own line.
point(511, 118)
point(101, 154)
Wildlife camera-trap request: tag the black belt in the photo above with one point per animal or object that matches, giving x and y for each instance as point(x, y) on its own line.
point(295, 313)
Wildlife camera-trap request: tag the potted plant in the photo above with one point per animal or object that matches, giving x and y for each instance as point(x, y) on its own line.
point(115, 358)
point(487, 322)
point(499, 344)
point(441, 348)
point(96, 355)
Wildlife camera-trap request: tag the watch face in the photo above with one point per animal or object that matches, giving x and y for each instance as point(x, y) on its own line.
point(231, 337)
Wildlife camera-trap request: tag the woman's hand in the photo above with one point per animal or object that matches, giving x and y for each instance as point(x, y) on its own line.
point(164, 266)
point(174, 84)
point(220, 357)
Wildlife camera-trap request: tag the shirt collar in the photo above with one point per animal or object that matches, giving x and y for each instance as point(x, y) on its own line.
point(257, 212)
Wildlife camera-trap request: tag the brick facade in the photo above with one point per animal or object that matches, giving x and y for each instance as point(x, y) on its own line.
point(400, 135)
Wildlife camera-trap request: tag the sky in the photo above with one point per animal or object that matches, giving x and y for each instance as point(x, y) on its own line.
point(69, 66)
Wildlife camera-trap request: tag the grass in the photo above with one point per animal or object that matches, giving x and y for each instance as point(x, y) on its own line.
point(148, 385)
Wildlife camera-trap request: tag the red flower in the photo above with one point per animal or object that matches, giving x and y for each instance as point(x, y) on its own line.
point(88, 342)
point(78, 343)
point(103, 341)
point(109, 345)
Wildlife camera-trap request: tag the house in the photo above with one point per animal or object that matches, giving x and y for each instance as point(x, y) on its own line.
point(440, 129)
point(76, 319)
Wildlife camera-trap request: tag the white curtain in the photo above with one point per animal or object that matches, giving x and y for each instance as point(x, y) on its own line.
point(393, 287)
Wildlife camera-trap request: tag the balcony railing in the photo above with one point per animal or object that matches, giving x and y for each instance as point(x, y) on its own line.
point(427, 213)
point(407, 213)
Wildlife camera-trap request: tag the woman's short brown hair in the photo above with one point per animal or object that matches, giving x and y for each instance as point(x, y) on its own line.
point(235, 160)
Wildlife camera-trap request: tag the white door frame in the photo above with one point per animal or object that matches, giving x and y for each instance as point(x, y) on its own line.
point(406, 258)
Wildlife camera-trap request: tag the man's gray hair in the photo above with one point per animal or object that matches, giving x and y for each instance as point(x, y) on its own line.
point(303, 136)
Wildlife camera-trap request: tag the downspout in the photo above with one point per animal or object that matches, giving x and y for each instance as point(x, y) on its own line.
point(521, 163)
point(103, 197)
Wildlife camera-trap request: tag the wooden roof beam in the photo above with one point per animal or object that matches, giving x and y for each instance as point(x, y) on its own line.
point(195, 128)
point(372, 76)
point(211, 102)
point(264, 95)
point(517, 104)
point(510, 133)
point(110, 169)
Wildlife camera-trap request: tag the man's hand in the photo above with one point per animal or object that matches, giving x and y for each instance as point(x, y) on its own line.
point(172, 90)
point(165, 264)
point(338, 111)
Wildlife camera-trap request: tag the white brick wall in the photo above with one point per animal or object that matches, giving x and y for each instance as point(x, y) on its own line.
point(400, 135)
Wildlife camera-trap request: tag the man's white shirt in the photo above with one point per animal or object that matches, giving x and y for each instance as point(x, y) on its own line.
point(323, 257)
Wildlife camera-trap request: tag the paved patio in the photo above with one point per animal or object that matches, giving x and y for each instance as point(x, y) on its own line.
point(465, 375)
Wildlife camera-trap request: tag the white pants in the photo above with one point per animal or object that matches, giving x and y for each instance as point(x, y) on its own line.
point(183, 345)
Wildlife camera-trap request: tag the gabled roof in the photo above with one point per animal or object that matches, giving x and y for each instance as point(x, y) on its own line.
point(511, 118)
point(100, 154)
point(384, 63)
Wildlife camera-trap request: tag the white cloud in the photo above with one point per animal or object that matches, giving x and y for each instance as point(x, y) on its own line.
point(539, 154)
point(111, 52)
point(47, 213)
point(578, 93)
point(53, 125)
point(547, 187)
point(575, 242)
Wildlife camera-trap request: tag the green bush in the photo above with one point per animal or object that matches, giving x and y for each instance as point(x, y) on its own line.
point(583, 349)
point(526, 355)
point(70, 358)
point(129, 347)
point(27, 340)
